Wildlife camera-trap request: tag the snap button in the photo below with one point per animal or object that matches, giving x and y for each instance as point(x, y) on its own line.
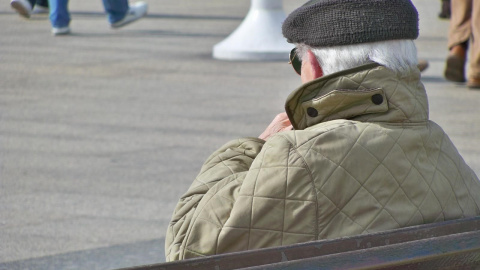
point(377, 99)
point(312, 112)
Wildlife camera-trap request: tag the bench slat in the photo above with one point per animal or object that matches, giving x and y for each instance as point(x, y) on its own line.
point(324, 248)
point(457, 251)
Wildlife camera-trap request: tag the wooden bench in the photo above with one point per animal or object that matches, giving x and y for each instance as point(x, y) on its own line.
point(445, 245)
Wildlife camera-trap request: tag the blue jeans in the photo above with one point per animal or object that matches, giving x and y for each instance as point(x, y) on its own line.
point(60, 17)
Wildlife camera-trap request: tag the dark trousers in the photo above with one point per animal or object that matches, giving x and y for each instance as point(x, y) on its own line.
point(43, 3)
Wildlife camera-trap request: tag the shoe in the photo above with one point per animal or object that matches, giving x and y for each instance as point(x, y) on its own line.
point(473, 83)
point(37, 9)
point(135, 12)
point(455, 66)
point(23, 7)
point(445, 11)
point(60, 31)
point(422, 65)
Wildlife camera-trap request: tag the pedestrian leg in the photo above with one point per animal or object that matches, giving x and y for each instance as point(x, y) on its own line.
point(474, 54)
point(116, 9)
point(59, 16)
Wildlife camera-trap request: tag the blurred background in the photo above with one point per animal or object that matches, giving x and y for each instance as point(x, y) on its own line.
point(103, 130)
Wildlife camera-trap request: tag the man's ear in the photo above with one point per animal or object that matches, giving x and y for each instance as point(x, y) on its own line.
point(311, 69)
point(316, 68)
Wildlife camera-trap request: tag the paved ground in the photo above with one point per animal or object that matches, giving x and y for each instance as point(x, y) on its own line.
point(103, 130)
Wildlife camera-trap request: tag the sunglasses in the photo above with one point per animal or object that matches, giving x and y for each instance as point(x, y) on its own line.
point(295, 61)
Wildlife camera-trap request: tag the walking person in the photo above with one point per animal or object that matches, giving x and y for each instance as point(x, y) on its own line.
point(119, 13)
point(464, 38)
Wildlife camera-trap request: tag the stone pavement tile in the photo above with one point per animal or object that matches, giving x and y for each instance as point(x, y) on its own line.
point(103, 130)
point(113, 257)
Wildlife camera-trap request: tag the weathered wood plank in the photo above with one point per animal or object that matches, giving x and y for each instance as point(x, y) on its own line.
point(338, 248)
point(456, 251)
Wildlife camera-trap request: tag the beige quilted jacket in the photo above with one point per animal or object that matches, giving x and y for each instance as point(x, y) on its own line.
point(363, 158)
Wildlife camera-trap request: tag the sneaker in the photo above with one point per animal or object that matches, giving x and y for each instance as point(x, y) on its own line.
point(37, 9)
point(135, 12)
point(59, 31)
point(23, 7)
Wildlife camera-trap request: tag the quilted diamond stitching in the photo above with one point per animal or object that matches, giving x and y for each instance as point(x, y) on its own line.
point(413, 166)
point(263, 167)
point(212, 183)
point(381, 163)
point(340, 212)
point(437, 170)
point(254, 195)
point(273, 198)
point(363, 78)
point(311, 182)
point(339, 166)
point(469, 188)
point(271, 230)
point(285, 195)
point(197, 216)
point(252, 198)
point(195, 252)
point(391, 101)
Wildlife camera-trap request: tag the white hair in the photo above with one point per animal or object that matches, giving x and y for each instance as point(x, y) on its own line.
point(397, 55)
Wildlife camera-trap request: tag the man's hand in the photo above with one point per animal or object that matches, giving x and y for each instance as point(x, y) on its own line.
point(279, 123)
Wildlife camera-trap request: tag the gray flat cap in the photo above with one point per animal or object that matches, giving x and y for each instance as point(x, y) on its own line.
point(325, 23)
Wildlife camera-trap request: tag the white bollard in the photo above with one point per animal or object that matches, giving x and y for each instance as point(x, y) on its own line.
point(259, 36)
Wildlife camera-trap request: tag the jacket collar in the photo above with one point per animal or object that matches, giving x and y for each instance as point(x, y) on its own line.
point(369, 93)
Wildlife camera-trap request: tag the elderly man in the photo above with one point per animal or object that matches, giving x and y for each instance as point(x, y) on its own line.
point(361, 157)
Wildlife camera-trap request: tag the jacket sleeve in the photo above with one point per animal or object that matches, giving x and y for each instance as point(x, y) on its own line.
point(226, 165)
point(276, 204)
